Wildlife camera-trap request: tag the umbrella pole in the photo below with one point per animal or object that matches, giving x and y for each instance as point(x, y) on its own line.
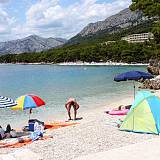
point(30, 111)
point(134, 99)
point(134, 89)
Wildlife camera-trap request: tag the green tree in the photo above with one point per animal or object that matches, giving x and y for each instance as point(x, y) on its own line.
point(150, 8)
point(156, 32)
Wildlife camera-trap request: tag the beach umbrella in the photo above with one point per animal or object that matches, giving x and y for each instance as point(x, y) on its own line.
point(132, 75)
point(28, 102)
point(6, 102)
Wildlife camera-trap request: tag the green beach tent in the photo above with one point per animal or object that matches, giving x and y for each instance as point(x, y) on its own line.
point(144, 115)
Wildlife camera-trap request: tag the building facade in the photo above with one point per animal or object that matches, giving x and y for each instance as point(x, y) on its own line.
point(138, 38)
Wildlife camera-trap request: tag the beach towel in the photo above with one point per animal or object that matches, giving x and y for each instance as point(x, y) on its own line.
point(25, 140)
point(55, 125)
point(19, 142)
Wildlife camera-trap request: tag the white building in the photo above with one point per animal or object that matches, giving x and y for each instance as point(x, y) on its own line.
point(138, 38)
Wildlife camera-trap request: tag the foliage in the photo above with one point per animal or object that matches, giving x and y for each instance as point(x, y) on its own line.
point(156, 32)
point(119, 51)
point(150, 8)
point(105, 35)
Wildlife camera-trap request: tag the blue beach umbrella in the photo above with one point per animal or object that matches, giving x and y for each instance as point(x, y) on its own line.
point(132, 75)
point(6, 102)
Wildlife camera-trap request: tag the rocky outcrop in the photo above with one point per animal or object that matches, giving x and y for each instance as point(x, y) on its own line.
point(123, 19)
point(32, 43)
point(151, 84)
point(154, 66)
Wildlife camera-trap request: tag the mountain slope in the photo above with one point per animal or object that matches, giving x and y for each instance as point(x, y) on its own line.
point(32, 43)
point(125, 19)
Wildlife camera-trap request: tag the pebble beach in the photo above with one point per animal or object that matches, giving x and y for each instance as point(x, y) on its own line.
point(96, 132)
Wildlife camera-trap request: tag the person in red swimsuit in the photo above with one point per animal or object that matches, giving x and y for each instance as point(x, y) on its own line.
point(72, 102)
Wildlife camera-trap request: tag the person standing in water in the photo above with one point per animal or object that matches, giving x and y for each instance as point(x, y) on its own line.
point(72, 102)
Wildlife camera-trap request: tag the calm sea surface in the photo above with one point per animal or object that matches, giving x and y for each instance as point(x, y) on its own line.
point(92, 86)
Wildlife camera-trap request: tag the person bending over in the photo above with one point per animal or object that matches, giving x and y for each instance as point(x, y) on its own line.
point(72, 102)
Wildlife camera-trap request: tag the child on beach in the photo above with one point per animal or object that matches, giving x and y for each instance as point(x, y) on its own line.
point(72, 102)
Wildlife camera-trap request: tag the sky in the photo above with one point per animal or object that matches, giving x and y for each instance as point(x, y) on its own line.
point(53, 18)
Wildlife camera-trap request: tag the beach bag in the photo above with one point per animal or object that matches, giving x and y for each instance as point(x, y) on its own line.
point(38, 127)
point(33, 124)
point(38, 131)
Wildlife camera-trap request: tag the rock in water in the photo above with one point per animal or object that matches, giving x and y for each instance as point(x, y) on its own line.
point(151, 83)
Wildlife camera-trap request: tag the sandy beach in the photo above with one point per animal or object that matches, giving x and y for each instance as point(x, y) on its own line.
point(96, 132)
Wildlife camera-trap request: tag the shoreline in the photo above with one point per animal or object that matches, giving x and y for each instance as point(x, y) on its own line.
point(81, 64)
point(101, 64)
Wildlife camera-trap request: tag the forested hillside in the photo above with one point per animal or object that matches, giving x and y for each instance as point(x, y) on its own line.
point(92, 48)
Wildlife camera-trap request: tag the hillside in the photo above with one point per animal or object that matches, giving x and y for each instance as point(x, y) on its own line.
point(102, 36)
point(91, 47)
point(125, 22)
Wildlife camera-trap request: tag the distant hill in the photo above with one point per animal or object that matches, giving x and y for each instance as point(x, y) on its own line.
point(89, 46)
point(123, 21)
point(31, 43)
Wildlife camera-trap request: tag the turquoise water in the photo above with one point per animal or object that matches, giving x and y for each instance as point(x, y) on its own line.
point(92, 86)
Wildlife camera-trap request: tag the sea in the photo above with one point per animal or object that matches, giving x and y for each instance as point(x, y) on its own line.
point(92, 86)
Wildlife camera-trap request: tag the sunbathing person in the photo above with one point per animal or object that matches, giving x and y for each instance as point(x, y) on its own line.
point(121, 110)
point(124, 107)
point(9, 133)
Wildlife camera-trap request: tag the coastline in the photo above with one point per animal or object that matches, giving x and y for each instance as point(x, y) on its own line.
point(101, 64)
point(81, 64)
point(96, 132)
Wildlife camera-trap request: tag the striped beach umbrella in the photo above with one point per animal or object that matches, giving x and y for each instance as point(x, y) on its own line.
point(6, 102)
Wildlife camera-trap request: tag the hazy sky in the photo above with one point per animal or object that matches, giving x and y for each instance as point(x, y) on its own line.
point(53, 18)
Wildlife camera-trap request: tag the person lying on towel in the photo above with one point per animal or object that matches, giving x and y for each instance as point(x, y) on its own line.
point(9, 133)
